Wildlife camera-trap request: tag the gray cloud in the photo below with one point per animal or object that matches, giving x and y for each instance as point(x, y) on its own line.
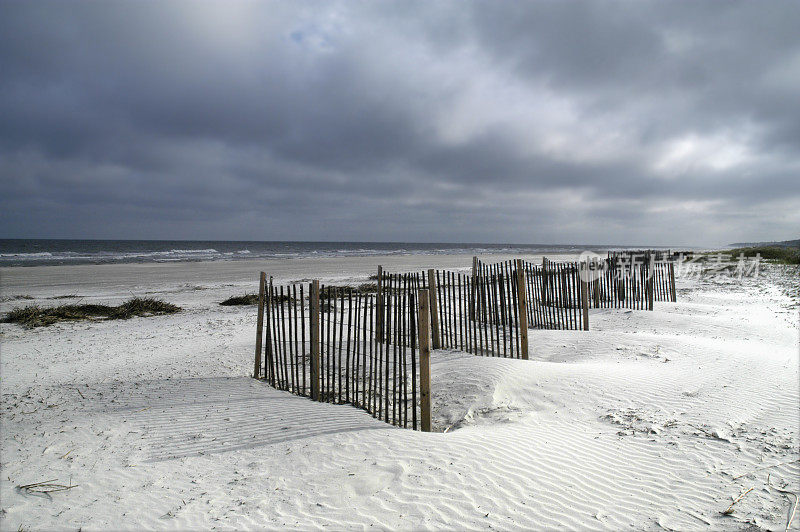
point(662, 123)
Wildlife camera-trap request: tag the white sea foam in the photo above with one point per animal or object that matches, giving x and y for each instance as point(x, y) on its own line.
point(26, 255)
point(189, 251)
point(93, 252)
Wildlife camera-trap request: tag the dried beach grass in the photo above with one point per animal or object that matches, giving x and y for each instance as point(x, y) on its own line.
point(35, 316)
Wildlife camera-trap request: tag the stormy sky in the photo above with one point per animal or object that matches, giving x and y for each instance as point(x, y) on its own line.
point(552, 122)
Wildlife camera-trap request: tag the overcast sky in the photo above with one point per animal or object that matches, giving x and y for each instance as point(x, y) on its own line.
point(554, 122)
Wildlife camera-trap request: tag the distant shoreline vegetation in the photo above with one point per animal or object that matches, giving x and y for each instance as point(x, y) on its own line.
point(778, 254)
point(779, 244)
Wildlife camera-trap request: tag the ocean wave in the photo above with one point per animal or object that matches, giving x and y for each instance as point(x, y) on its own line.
point(28, 255)
point(104, 252)
point(210, 250)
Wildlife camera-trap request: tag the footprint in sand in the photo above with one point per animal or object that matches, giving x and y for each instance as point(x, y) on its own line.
point(366, 481)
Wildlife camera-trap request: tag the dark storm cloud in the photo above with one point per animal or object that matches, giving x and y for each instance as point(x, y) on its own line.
point(530, 122)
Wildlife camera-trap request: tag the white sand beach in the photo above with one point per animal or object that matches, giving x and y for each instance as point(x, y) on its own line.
point(157, 157)
point(650, 420)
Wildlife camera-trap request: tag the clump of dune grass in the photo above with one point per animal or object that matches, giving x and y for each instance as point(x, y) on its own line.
point(143, 306)
point(252, 299)
point(368, 288)
point(247, 299)
point(15, 298)
point(36, 316)
point(333, 292)
point(338, 292)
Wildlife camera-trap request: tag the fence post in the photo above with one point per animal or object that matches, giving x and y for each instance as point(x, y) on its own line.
point(650, 274)
point(585, 293)
point(313, 303)
point(434, 306)
point(424, 361)
point(269, 355)
point(259, 325)
point(522, 310)
point(597, 283)
point(379, 304)
point(545, 281)
point(674, 295)
point(473, 296)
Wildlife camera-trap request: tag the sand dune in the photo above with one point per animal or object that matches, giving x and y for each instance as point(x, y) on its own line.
point(650, 420)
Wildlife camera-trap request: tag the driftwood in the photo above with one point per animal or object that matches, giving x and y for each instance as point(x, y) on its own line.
point(729, 510)
point(46, 486)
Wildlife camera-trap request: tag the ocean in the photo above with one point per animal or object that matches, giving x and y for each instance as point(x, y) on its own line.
point(19, 252)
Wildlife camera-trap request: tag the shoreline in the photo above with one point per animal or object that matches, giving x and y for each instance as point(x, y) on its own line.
point(168, 252)
point(117, 279)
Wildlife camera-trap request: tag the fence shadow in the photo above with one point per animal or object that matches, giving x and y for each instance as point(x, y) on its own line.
point(192, 417)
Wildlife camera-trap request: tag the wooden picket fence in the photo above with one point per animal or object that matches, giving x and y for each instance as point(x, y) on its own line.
point(477, 314)
point(632, 280)
point(340, 345)
point(558, 297)
point(555, 296)
point(370, 347)
point(659, 264)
